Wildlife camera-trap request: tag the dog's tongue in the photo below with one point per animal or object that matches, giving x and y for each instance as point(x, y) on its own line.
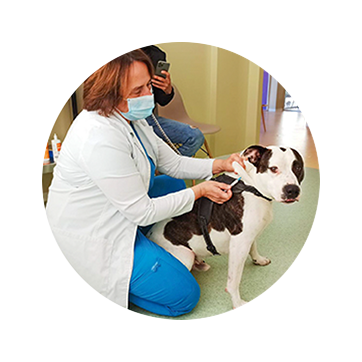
point(289, 201)
point(242, 173)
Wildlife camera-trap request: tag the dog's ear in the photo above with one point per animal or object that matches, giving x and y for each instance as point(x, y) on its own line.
point(298, 166)
point(259, 156)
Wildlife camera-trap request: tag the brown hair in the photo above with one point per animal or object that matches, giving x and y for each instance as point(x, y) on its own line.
point(103, 89)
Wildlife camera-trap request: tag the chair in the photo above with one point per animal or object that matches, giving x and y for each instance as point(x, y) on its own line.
point(176, 110)
point(262, 115)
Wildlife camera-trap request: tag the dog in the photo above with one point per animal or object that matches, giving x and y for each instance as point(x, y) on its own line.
point(276, 173)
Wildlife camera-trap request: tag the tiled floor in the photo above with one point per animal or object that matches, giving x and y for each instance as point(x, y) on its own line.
point(289, 129)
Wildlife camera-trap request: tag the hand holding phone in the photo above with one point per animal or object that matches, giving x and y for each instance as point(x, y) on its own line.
point(161, 65)
point(162, 80)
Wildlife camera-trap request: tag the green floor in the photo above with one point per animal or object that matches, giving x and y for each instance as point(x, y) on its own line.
point(281, 242)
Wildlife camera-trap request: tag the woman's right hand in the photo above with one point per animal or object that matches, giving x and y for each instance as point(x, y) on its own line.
point(215, 191)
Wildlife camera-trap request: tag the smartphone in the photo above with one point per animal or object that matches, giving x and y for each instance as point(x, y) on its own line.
point(161, 65)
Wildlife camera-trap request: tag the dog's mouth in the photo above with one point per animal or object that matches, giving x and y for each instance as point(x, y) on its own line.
point(289, 201)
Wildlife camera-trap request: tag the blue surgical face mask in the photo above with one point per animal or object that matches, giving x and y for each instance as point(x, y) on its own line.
point(139, 108)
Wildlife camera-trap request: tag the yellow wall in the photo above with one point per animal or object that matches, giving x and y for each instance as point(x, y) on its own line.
point(218, 87)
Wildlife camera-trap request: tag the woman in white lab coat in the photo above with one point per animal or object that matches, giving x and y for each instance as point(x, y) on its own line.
point(100, 196)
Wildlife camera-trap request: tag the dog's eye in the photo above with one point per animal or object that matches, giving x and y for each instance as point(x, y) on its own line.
point(273, 169)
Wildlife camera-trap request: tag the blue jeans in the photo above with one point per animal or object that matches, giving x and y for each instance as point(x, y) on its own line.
point(160, 283)
point(190, 139)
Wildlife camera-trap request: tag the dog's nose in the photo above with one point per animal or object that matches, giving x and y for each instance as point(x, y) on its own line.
point(291, 191)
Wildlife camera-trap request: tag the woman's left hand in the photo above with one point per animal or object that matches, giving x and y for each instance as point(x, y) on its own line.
point(163, 83)
point(227, 165)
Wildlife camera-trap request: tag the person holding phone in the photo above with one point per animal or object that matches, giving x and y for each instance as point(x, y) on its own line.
point(105, 195)
point(190, 138)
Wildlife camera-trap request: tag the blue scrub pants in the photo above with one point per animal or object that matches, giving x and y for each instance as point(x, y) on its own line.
point(160, 283)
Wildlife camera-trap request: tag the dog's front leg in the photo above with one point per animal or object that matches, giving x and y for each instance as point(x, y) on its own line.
point(238, 251)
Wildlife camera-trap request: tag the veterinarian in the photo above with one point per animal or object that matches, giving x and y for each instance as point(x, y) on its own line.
point(104, 192)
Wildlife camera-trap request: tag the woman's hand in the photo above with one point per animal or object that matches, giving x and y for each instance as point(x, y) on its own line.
point(163, 83)
point(215, 191)
point(227, 165)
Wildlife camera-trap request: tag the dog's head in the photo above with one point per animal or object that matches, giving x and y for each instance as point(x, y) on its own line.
point(276, 171)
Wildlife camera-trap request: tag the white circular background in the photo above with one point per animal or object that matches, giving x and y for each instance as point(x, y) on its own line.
point(48, 312)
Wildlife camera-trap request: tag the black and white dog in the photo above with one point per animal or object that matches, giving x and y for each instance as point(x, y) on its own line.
point(274, 173)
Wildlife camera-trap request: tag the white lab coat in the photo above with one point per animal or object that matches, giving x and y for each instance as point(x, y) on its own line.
point(98, 196)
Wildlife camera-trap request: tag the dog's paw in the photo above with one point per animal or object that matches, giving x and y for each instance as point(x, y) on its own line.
point(200, 265)
point(240, 303)
point(262, 261)
point(235, 298)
